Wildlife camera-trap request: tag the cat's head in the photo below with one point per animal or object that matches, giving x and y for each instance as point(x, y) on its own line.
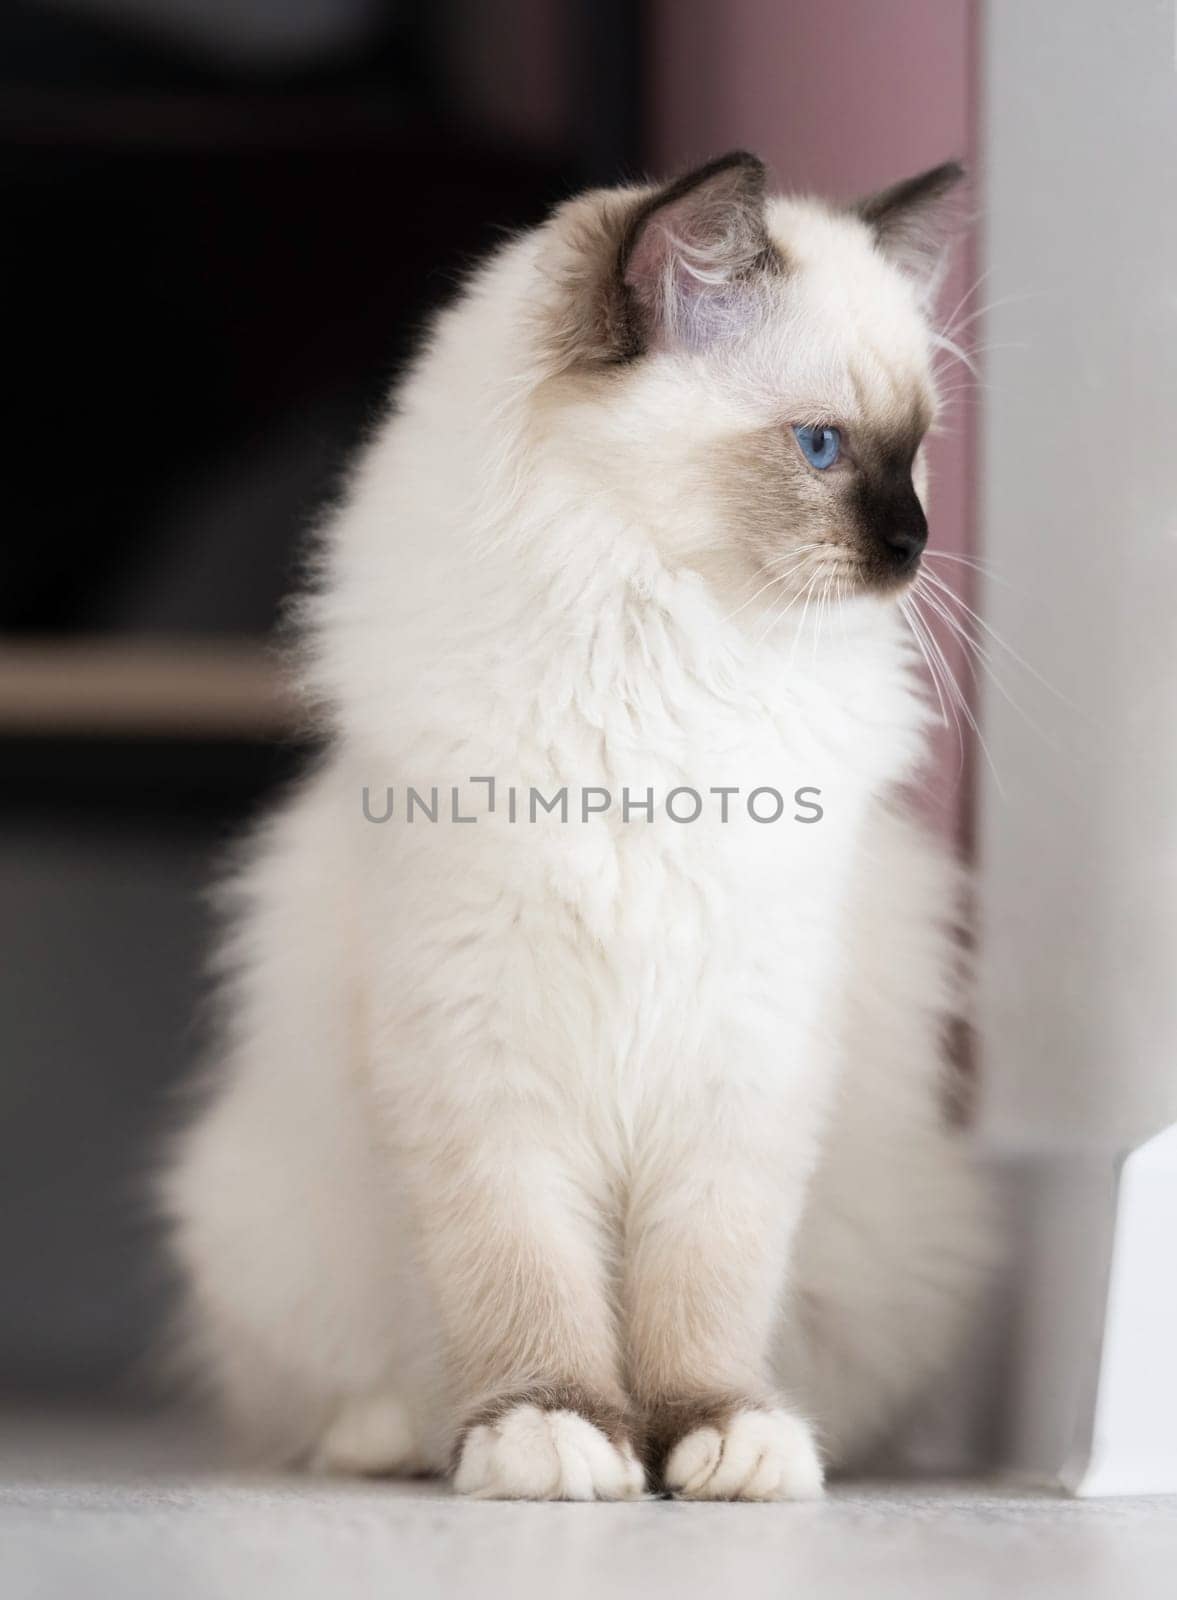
point(751, 376)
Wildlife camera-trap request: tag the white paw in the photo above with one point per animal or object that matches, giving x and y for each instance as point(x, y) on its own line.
point(529, 1454)
point(755, 1455)
point(369, 1435)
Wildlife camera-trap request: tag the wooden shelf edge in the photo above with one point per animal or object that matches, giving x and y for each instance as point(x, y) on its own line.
point(188, 689)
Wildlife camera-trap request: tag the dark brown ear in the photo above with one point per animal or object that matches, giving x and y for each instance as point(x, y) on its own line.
point(913, 221)
point(687, 247)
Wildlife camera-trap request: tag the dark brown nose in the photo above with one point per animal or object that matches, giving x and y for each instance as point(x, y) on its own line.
point(897, 522)
point(906, 542)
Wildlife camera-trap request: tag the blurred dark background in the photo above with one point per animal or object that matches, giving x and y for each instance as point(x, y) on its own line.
point(230, 221)
point(226, 221)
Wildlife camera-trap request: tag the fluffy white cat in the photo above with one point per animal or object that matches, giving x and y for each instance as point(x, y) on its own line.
point(588, 1139)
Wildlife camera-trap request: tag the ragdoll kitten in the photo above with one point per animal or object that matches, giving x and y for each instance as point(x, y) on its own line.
point(596, 1144)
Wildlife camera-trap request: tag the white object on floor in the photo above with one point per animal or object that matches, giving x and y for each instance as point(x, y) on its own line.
point(135, 1510)
point(1092, 1388)
point(1130, 1443)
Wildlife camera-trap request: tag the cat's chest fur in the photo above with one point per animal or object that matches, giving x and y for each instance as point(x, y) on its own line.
point(773, 767)
point(653, 933)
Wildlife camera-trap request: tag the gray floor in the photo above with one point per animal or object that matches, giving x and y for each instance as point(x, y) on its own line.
point(96, 1509)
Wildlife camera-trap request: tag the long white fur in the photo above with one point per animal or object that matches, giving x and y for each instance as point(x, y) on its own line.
point(633, 1105)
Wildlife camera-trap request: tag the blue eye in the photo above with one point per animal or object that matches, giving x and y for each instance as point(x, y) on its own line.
point(821, 446)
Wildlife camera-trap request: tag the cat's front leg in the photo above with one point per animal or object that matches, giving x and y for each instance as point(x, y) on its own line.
point(519, 1281)
point(711, 1218)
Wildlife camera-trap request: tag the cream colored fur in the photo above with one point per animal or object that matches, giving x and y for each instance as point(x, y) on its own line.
point(640, 1111)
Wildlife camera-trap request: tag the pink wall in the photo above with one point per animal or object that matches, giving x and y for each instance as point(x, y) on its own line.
point(840, 98)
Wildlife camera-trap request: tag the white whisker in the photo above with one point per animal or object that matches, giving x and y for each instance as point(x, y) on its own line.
point(976, 654)
point(777, 614)
point(911, 623)
point(949, 325)
point(951, 594)
point(959, 695)
point(804, 594)
point(983, 567)
point(943, 343)
point(796, 557)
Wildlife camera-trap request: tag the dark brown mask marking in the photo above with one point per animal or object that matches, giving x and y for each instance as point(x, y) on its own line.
point(891, 518)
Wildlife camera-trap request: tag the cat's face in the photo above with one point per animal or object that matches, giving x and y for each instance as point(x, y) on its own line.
point(753, 378)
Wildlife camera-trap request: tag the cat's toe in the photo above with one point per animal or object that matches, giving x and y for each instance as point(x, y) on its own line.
point(753, 1454)
point(532, 1454)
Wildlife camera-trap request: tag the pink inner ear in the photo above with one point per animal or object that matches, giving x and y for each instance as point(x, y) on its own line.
point(685, 290)
point(656, 244)
point(657, 279)
point(685, 263)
